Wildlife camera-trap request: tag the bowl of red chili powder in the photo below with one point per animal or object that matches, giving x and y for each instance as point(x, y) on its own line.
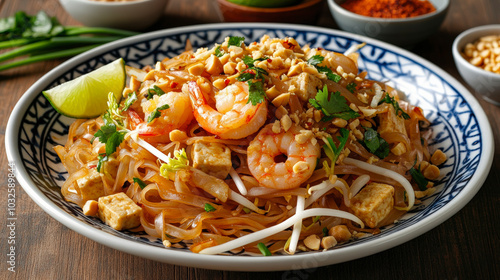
point(399, 22)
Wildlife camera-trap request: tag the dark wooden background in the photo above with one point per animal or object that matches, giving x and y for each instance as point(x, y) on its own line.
point(464, 247)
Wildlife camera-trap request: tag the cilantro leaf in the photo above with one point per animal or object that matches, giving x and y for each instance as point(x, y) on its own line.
point(131, 99)
point(315, 60)
point(375, 144)
point(419, 178)
point(101, 159)
point(318, 59)
point(245, 76)
point(219, 52)
point(108, 135)
point(256, 93)
point(390, 100)
point(254, 76)
point(329, 73)
point(156, 113)
point(154, 91)
point(235, 41)
point(332, 105)
point(209, 208)
point(351, 87)
point(139, 182)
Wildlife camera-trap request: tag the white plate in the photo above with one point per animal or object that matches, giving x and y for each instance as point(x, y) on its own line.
point(461, 130)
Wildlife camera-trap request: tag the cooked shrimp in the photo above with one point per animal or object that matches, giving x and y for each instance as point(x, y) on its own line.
point(179, 114)
point(268, 146)
point(234, 117)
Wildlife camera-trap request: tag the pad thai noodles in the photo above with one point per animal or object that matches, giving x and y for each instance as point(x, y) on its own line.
point(268, 147)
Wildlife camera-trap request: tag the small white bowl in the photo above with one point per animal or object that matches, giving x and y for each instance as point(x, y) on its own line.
point(397, 31)
point(485, 83)
point(131, 15)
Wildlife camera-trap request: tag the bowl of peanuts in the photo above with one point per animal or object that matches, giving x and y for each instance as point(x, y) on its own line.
point(477, 56)
point(124, 14)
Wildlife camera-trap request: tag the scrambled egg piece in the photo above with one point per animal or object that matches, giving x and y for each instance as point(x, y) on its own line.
point(119, 211)
point(90, 186)
point(212, 158)
point(373, 203)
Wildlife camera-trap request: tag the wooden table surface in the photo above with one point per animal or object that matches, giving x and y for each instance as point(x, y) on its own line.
point(466, 246)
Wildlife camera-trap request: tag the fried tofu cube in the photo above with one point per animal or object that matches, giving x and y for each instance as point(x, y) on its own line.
point(390, 122)
point(212, 158)
point(119, 211)
point(307, 85)
point(90, 187)
point(373, 203)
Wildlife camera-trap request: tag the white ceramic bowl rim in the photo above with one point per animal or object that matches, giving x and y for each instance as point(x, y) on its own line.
point(393, 20)
point(460, 43)
point(301, 261)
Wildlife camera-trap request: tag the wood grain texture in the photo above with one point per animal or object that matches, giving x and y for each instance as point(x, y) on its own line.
point(466, 246)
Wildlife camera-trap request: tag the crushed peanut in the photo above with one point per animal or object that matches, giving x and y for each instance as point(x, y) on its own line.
point(484, 53)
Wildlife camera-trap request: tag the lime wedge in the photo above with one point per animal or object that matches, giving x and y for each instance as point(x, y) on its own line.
point(87, 96)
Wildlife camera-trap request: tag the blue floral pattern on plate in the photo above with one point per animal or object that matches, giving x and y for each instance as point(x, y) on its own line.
point(455, 126)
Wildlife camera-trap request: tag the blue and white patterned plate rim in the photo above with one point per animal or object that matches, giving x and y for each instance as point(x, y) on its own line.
point(241, 262)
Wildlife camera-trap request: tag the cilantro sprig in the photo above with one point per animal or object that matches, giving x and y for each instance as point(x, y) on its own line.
point(375, 144)
point(333, 151)
point(390, 100)
point(332, 105)
point(233, 41)
point(318, 59)
point(110, 136)
point(255, 77)
point(419, 178)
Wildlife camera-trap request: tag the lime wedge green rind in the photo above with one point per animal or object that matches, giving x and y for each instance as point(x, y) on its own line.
point(86, 96)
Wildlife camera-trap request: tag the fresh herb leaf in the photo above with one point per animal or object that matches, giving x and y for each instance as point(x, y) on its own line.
point(219, 52)
point(156, 113)
point(332, 105)
point(155, 90)
point(318, 59)
point(101, 158)
point(108, 135)
point(263, 249)
point(390, 100)
point(246, 76)
point(375, 144)
point(256, 93)
point(139, 182)
point(333, 151)
point(209, 208)
point(419, 178)
point(325, 231)
point(254, 76)
point(250, 62)
point(315, 60)
point(131, 99)
point(329, 73)
point(351, 87)
point(235, 41)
